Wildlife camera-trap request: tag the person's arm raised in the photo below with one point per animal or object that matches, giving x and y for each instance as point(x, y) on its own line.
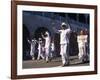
point(29, 41)
point(42, 36)
point(55, 30)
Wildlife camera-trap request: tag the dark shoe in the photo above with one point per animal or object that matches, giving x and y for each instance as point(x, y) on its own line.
point(63, 65)
point(47, 61)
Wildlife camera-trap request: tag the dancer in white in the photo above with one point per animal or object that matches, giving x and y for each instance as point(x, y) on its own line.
point(32, 51)
point(82, 41)
point(52, 49)
point(40, 52)
point(64, 43)
point(47, 45)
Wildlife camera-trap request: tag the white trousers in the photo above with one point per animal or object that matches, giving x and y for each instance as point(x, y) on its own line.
point(47, 53)
point(32, 52)
point(64, 53)
point(82, 52)
point(40, 54)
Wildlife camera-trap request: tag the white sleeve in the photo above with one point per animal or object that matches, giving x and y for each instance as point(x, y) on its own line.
point(78, 39)
point(86, 38)
point(56, 31)
point(29, 41)
point(68, 30)
point(59, 31)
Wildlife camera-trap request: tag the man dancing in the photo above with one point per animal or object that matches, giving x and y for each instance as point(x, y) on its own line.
point(64, 43)
point(47, 45)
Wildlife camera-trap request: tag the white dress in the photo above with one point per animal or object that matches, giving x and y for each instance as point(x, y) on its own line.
point(82, 40)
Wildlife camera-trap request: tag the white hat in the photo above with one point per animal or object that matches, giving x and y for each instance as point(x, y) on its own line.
point(32, 39)
point(40, 39)
point(46, 33)
point(63, 23)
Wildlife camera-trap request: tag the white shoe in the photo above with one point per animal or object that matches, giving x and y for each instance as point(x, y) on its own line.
point(33, 58)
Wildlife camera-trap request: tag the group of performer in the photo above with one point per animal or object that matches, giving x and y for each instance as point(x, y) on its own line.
point(46, 50)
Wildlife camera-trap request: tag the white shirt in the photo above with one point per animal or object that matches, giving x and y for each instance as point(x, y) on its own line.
point(82, 40)
point(64, 36)
point(52, 46)
point(33, 43)
point(47, 41)
point(40, 45)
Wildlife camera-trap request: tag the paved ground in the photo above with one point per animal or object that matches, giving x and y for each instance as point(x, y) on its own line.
point(54, 63)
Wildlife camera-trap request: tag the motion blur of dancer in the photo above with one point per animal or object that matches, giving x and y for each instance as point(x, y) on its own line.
point(82, 42)
point(47, 38)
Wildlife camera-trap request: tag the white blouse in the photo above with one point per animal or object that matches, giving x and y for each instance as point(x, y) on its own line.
point(64, 36)
point(82, 40)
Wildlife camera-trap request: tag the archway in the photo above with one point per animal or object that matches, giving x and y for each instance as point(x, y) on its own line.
point(55, 36)
point(37, 35)
point(38, 31)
